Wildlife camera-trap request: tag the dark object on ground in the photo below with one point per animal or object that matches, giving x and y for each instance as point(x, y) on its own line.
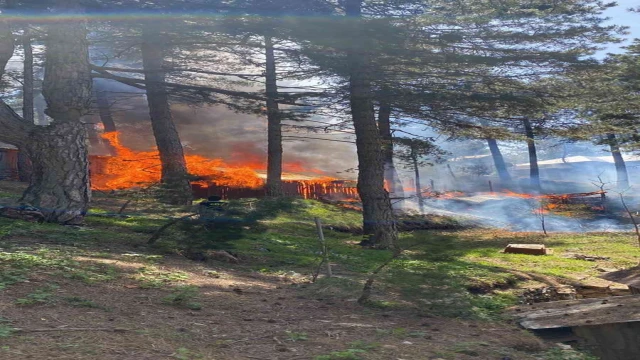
point(549, 293)
point(410, 223)
point(23, 212)
point(629, 277)
point(211, 208)
point(585, 257)
point(610, 327)
point(526, 249)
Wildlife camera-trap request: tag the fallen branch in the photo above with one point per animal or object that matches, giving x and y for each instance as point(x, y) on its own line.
point(164, 227)
point(633, 219)
point(317, 272)
point(368, 285)
point(124, 206)
point(323, 247)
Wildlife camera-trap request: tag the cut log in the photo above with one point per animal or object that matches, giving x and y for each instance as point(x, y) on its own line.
point(527, 249)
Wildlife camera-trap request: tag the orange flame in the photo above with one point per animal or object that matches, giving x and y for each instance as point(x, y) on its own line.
point(128, 169)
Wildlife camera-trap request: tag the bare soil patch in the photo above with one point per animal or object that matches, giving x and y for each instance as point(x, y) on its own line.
point(243, 315)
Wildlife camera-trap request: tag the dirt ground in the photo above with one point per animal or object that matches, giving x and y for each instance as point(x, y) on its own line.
point(243, 316)
point(229, 311)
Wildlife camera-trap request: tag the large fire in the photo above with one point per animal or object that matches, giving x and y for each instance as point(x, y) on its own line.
point(127, 168)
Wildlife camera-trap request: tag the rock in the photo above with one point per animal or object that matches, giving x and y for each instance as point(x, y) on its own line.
point(565, 292)
point(617, 289)
point(550, 293)
point(594, 288)
point(407, 343)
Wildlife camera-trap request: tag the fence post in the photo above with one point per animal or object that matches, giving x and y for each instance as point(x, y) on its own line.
point(323, 244)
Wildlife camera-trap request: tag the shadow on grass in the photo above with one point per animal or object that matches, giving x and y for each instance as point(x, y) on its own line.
point(241, 219)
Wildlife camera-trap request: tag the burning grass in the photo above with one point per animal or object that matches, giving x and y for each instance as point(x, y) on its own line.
point(130, 169)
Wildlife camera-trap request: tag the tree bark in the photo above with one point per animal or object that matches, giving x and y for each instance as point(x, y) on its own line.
point(498, 161)
point(390, 172)
point(14, 129)
point(274, 126)
point(60, 185)
point(621, 167)
point(378, 220)
point(28, 81)
point(106, 117)
point(534, 170)
point(175, 179)
point(24, 163)
point(104, 110)
point(416, 169)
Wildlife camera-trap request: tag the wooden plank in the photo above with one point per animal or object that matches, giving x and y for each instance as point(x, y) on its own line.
point(572, 313)
point(527, 249)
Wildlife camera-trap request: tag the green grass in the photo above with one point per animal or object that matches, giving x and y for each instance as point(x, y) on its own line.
point(446, 273)
point(454, 273)
point(183, 296)
point(559, 354)
point(152, 277)
point(349, 354)
point(6, 329)
point(42, 295)
point(296, 336)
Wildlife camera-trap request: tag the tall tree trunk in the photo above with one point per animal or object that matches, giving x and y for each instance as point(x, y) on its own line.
point(621, 167)
point(390, 172)
point(24, 163)
point(416, 169)
point(28, 81)
point(378, 220)
point(274, 126)
point(60, 185)
point(106, 117)
point(104, 110)
point(175, 180)
point(41, 105)
point(60, 177)
point(534, 170)
point(498, 161)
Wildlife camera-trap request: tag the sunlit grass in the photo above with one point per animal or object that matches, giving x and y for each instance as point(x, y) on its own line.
point(452, 273)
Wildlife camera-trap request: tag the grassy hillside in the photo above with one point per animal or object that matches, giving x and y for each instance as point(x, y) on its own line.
point(101, 292)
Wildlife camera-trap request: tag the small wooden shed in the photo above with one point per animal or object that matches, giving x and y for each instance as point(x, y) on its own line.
point(8, 162)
